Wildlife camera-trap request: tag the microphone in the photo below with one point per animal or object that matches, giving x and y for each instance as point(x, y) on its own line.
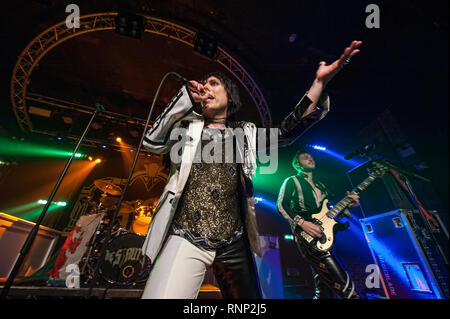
point(359, 151)
point(185, 81)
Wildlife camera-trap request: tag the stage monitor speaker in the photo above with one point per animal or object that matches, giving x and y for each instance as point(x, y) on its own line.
point(411, 265)
point(269, 268)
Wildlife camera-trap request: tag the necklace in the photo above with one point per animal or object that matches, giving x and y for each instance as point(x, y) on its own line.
point(219, 120)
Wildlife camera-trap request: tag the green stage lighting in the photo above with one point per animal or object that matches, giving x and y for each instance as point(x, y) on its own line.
point(26, 149)
point(43, 202)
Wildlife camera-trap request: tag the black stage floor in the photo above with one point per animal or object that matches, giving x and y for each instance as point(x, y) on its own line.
point(36, 292)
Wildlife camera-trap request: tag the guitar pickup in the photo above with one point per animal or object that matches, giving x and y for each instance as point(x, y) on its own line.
point(307, 237)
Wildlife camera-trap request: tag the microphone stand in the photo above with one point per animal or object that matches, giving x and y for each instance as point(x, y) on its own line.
point(33, 233)
point(116, 211)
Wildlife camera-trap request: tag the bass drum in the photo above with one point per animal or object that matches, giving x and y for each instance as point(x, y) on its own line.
point(124, 263)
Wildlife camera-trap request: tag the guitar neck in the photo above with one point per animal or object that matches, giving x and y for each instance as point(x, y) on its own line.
point(343, 203)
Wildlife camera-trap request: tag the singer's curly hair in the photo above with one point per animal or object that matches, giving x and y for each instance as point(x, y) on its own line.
point(231, 88)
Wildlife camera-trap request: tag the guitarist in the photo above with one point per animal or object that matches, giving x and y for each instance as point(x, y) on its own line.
point(299, 197)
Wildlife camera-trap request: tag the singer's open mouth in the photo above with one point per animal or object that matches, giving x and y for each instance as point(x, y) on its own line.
point(208, 99)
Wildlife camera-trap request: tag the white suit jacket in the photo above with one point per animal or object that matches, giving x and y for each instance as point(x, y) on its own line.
point(181, 112)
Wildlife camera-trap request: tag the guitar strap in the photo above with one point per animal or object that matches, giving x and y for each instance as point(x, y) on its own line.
point(301, 200)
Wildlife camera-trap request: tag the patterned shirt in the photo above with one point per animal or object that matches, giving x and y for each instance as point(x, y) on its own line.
point(208, 213)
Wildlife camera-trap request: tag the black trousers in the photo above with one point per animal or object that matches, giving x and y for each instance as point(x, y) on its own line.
point(235, 271)
point(330, 278)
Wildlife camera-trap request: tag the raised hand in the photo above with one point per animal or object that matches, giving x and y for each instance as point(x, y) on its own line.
point(326, 72)
point(355, 199)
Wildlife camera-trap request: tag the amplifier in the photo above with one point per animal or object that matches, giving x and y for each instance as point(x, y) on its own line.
point(411, 265)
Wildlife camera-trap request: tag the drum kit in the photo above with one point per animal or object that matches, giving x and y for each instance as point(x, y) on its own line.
point(124, 264)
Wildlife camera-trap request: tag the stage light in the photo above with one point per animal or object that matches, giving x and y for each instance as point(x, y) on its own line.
point(292, 37)
point(25, 149)
point(119, 139)
point(43, 202)
point(77, 155)
point(334, 154)
point(59, 138)
point(131, 151)
point(205, 45)
point(129, 25)
point(103, 146)
point(98, 160)
point(319, 147)
point(90, 158)
point(289, 237)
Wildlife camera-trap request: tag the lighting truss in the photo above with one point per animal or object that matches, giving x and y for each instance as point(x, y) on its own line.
point(55, 35)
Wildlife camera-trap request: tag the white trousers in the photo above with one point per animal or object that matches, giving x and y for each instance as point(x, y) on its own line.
point(179, 270)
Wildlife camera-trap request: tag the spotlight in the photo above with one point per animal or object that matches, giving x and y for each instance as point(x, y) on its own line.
point(98, 161)
point(103, 146)
point(59, 138)
point(42, 201)
point(61, 203)
point(205, 45)
point(67, 120)
point(119, 139)
point(292, 37)
point(318, 147)
point(130, 25)
point(77, 155)
point(90, 158)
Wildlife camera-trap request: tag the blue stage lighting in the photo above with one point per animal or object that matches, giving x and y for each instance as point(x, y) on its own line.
point(334, 154)
point(319, 147)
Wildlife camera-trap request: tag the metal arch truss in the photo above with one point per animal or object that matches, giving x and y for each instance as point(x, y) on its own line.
point(55, 35)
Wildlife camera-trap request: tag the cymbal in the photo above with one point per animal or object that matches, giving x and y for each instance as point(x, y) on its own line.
point(109, 202)
point(108, 187)
point(126, 208)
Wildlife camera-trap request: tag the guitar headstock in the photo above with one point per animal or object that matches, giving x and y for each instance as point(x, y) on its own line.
point(377, 169)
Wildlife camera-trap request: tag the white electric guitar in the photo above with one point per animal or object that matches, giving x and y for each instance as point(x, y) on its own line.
point(326, 218)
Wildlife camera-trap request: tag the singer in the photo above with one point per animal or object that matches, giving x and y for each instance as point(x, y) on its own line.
point(299, 196)
point(206, 215)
